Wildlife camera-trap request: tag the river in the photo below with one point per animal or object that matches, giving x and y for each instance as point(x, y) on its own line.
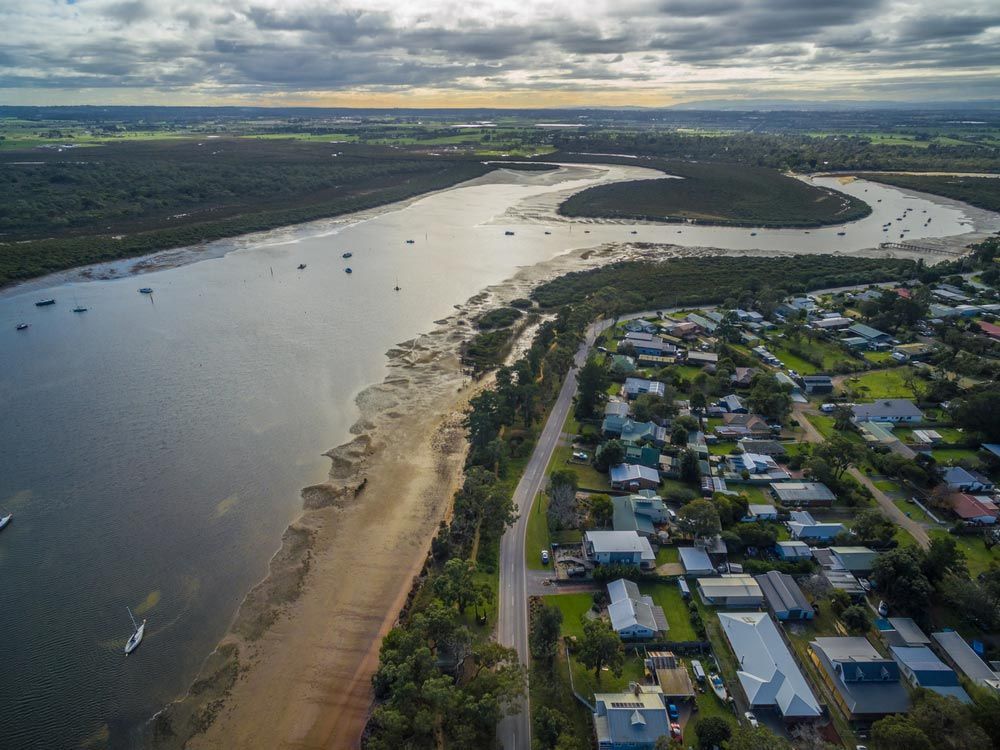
point(153, 447)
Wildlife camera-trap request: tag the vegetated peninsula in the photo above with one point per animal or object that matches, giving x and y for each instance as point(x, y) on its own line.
point(717, 193)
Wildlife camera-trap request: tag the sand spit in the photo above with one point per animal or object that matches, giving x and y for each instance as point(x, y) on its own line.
point(295, 669)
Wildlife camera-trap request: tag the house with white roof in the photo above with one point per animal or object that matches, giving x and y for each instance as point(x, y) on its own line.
point(695, 561)
point(963, 658)
point(632, 614)
point(887, 410)
point(768, 673)
point(618, 548)
point(760, 512)
point(793, 550)
point(797, 494)
point(731, 590)
point(803, 526)
point(635, 387)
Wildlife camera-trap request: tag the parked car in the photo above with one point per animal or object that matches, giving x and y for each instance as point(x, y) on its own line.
point(673, 712)
point(580, 455)
point(545, 557)
point(751, 719)
point(883, 609)
point(576, 571)
point(699, 671)
point(675, 732)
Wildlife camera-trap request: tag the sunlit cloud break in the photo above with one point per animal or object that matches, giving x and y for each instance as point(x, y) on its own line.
point(495, 52)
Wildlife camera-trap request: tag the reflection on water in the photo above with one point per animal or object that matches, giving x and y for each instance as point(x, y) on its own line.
point(154, 447)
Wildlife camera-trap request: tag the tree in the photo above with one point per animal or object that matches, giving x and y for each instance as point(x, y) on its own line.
point(977, 413)
point(759, 738)
point(457, 585)
point(649, 406)
point(592, 384)
point(601, 510)
point(856, 619)
point(840, 601)
point(912, 382)
point(543, 639)
point(712, 731)
point(601, 647)
point(690, 469)
point(769, 398)
point(897, 732)
point(873, 527)
point(700, 519)
point(840, 454)
point(678, 436)
point(562, 499)
point(901, 580)
point(610, 454)
point(842, 419)
point(943, 556)
point(549, 725)
point(972, 599)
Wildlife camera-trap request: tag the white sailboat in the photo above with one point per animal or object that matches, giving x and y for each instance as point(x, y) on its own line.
point(4, 520)
point(136, 638)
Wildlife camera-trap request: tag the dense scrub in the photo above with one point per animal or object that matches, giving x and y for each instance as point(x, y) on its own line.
point(983, 192)
point(62, 209)
point(718, 194)
point(640, 285)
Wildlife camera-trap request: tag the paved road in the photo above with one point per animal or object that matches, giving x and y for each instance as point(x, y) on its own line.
point(916, 530)
point(514, 732)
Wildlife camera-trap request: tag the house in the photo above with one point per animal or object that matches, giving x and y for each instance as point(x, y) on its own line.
point(784, 597)
point(634, 477)
point(760, 512)
point(640, 325)
point(990, 329)
point(901, 631)
point(653, 346)
point(923, 669)
point(972, 510)
point(706, 324)
point(856, 560)
point(695, 561)
point(794, 306)
point(611, 426)
point(682, 329)
point(799, 494)
point(803, 526)
point(732, 404)
point(751, 316)
point(833, 323)
point(669, 466)
point(908, 352)
point(762, 446)
point(941, 312)
point(643, 455)
point(638, 513)
point(702, 358)
point(961, 479)
point(865, 684)
point(793, 551)
point(622, 364)
point(742, 376)
point(736, 426)
point(632, 720)
point(872, 336)
point(616, 408)
point(887, 410)
point(648, 432)
point(844, 581)
point(964, 659)
point(816, 384)
point(949, 295)
point(632, 614)
point(731, 590)
point(635, 387)
point(618, 548)
point(768, 673)
point(753, 463)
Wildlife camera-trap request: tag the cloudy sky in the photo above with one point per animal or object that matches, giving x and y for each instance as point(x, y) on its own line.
point(494, 52)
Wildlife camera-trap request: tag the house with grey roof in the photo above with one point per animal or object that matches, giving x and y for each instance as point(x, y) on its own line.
point(760, 512)
point(635, 387)
point(631, 720)
point(765, 447)
point(638, 513)
point(960, 655)
point(632, 614)
point(856, 560)
point(634, 477)
point(901, 631)
point(804, 527)
point(768, 673)
point(865, 684)
point(923, 668)
point(801, 494)
point(784, 597)
point(872, 336)
point(695, 561)
point(618, 548)
point(731, 590)
point(887, 410)
point(960, 479)
point(793, 550)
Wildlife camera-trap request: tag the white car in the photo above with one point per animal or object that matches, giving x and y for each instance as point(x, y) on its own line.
point(545, 557)
point(883, 609)
point(580, 455)
point(751, 719)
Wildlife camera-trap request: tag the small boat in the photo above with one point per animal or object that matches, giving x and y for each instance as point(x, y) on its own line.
point(136, 638)
point(841, 234)
point(347, 255)
point(22, 326)
point(45, 302)
point(807, 231)
point(753, 234)
point(348, 270)
point(79, 309)
point(409, 242)
point(718, 687)
point(508, 233)
point(146, 290)
point(302, 266)
point(634, 232)
point(4, 520)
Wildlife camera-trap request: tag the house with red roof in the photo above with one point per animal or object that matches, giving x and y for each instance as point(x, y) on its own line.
point(973, 510)
point(991, 330)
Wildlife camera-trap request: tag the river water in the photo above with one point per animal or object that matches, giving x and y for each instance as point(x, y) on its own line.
point(152, 449)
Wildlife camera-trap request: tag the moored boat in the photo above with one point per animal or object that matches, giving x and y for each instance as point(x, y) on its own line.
point(302, 266)
point(347, 255)
point(22, 326)
point(137, 632)
point(79, 309)
point(146, 290)
point(45, 302)
point(348, 270)
point(4, 520)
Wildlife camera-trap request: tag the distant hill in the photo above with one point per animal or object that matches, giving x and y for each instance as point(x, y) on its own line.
point(745, 105)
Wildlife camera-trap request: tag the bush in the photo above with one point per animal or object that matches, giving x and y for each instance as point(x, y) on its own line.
point(502, 317)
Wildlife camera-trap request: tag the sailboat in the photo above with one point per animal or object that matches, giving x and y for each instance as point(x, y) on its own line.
point(4, 520)
point(397, 287)
point(136, 638)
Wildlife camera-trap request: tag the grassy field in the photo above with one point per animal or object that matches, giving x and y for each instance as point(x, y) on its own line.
point(879, 384)
point(573, 607)
point(978, 557)
point(668, 596)
point(954, 455)
point(718, 194)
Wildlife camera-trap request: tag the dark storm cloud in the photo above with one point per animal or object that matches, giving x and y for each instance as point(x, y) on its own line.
point(328, 45)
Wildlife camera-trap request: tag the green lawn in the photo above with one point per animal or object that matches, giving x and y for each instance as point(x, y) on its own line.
point(668, 596)
point(573, 607)
point(586, 683)
point(722, 449)
point(552, 689)
point(536, 536)
point(793, 361)
point(953, 455)
point(825, 426)
point(879, 384)
point(978, 557)
point(666, 555)
point(948, 434)
point(879, 358)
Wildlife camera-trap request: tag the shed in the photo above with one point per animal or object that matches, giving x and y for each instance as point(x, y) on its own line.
point(695, 561)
